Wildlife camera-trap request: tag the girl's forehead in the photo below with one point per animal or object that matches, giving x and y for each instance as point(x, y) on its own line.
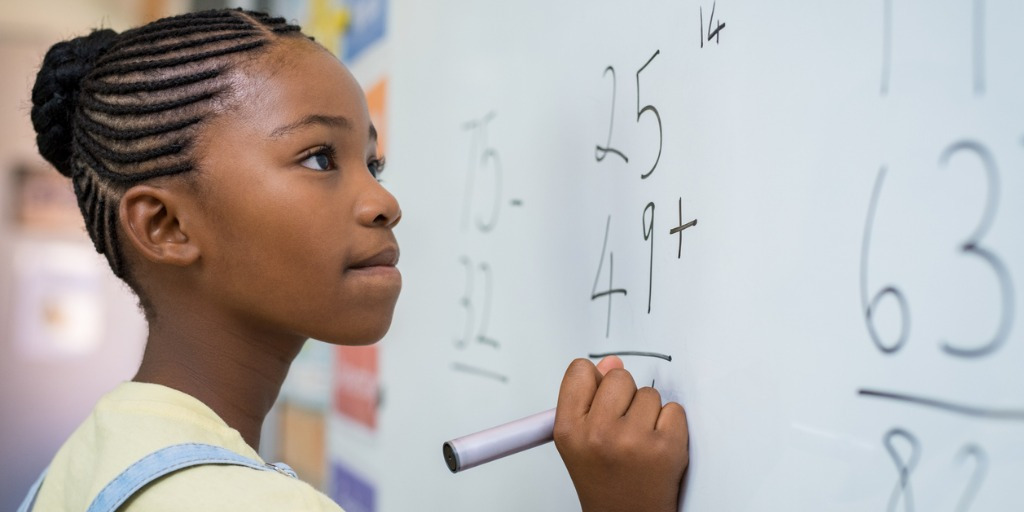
point(295, 79)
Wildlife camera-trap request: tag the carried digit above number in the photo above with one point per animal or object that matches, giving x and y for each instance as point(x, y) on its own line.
point(712, 33)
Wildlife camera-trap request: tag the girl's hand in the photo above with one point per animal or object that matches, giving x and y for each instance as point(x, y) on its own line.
point(623, 449)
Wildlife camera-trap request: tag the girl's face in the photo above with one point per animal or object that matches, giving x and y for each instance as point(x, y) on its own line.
point(295, 231)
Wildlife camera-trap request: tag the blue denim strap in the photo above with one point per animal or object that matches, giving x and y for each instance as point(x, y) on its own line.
point(168, 460)
point(30, 500)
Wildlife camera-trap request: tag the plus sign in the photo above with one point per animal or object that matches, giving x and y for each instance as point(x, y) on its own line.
point(679, 229)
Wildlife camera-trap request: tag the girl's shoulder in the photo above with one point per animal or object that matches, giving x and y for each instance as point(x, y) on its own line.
point(136, 419)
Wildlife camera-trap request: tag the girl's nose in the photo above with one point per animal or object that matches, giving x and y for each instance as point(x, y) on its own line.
point(378, 208)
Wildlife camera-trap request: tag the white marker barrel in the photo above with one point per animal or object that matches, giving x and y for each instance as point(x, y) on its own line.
point(494, 443)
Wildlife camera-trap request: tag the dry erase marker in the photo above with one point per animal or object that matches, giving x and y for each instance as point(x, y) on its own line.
point(494, 443)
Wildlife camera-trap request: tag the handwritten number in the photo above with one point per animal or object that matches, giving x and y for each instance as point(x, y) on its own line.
point(466, 302)
point(648, 231)
point(713, 33)
point(977, 476)
point(481, 335)
point(973, 246)
point(483, 159)
point(602, 151)
point(490, 155)
point(594, 294)
point(905, 466)
point(467, 197)
point(977, 45)
point(886, 45)
point(648, 108)
point(479, 156)
point(871, 306)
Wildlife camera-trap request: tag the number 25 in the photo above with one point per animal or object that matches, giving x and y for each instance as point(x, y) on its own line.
point(600, 152)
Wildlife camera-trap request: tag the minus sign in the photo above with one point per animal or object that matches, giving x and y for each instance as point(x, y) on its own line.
point(516, 202)
point(631, 353)
point(478, 371)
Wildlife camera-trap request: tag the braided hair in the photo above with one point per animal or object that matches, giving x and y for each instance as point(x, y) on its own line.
point(113, 110)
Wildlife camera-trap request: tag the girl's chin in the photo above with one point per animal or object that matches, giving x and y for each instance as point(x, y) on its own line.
point(362, 337)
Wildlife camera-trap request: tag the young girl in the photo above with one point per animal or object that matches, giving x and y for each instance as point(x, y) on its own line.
point(226, 166)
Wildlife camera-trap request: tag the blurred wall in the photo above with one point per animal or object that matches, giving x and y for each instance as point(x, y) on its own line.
point(69, 331)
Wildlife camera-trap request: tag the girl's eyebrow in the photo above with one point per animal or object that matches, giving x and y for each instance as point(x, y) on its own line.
point(312, 119)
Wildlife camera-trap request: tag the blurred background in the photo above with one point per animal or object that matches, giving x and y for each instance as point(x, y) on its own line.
point(69, 330)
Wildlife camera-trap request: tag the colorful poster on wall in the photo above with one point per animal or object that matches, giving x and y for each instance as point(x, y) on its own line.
point(326, 22)
point(357, 385)
point(366, 27)
point(302, 443)
point(377, 101)
point(351, 490)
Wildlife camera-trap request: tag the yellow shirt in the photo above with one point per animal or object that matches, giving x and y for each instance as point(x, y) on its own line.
point(136, 419)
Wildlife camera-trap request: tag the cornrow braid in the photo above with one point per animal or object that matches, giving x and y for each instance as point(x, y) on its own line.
point(147, 65)
point(175, 32)
point(112, 110)
point(172, 46)
point(186, 21)
point(155, 85)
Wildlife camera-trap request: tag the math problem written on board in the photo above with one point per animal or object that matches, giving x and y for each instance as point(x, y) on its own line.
point(894, 337)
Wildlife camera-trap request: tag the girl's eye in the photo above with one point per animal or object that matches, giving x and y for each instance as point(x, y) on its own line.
point(376, 166)
point(321, 159)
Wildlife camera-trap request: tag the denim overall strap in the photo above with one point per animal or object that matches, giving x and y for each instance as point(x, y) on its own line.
point(168, 460)
point(30, 500)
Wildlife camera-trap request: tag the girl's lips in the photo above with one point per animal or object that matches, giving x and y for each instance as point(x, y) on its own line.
point(385, 258)
point(376, 270)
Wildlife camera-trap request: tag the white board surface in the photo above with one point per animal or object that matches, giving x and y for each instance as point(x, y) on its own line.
point(844, 318)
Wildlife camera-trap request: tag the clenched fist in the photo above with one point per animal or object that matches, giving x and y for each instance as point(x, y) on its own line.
point(625, 452)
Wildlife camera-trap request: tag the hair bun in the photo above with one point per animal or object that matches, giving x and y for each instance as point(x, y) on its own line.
point(55, 93)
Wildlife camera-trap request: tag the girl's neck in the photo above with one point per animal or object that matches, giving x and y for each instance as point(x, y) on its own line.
point(235, 370)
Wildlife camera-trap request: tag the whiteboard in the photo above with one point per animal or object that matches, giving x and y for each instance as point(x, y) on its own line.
point(843, 318)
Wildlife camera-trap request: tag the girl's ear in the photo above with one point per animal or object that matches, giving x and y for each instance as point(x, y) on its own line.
point(151, 220)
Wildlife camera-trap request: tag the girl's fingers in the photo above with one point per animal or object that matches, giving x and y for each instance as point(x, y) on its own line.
point(614, 395)
point(608, 364)
point(645, 410)
point(672, 422)
point(578, 387)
